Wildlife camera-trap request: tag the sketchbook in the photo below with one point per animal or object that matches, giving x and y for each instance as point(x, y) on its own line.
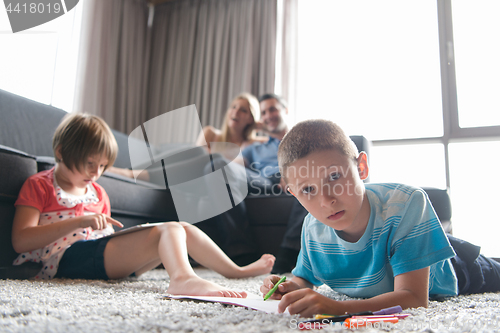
point(252, 301)
point(134, 228)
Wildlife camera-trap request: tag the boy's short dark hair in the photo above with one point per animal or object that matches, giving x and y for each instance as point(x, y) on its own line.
point(311, 136)
point(270, 95)
point(81, 136)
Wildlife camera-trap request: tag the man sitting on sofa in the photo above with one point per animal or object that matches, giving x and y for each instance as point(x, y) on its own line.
point(261, 160)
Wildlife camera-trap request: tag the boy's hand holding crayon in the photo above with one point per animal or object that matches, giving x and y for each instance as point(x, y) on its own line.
point(308, 302)
point(299, 299)
point(283, 287)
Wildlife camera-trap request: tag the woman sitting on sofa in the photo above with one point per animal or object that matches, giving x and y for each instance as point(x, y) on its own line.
point(237, 128)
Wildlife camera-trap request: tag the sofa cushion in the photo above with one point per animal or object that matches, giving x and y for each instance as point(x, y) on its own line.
point(123, 157)
point(135, 203)
point(268, 217)
point(28, 125)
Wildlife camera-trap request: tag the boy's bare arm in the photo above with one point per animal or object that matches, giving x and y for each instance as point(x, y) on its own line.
point(303, 283)
point(411, 290)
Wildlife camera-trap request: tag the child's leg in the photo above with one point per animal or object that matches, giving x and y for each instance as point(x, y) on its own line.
point(202, 249)
point(137, 251)
point(143, 250)
point(475, 272)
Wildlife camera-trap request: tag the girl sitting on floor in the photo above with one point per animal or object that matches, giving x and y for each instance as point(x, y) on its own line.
point(63, 217)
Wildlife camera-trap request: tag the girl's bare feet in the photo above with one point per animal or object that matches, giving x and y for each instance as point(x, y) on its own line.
point(262, 266)
point(196, 286)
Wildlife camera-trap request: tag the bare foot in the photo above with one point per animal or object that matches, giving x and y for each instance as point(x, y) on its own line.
point(262, 266)
point(196, 286)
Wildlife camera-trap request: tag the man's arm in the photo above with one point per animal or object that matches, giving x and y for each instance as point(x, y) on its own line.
point(246, 153)
point(411, 290)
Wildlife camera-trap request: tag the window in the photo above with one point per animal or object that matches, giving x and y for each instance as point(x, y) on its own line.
point(418, 78)
point(371, 66)
point(474, 193)
point(28, 64)
point(40, 63)
point(477, 47)
point(417, 165)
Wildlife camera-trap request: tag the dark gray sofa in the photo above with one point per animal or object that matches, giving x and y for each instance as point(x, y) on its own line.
point(26, 129)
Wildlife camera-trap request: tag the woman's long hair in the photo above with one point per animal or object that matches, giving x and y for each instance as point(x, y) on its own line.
point(248, 132)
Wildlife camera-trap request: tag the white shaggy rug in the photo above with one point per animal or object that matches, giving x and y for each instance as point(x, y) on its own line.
point(134, 305)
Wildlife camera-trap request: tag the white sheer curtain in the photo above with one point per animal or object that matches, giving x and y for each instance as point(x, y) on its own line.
point(289, 53)
point(113, 63)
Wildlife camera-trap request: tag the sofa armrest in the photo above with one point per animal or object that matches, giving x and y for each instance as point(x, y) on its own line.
point(441, 202)
point(15, 168)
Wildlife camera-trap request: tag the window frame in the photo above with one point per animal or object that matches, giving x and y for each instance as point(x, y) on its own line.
point(452, 132)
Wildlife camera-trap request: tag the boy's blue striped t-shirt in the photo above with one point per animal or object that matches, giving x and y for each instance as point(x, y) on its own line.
point(402, 235)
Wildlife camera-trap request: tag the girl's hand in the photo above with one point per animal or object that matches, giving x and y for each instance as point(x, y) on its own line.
point(283, 288)
point(98, 221)
point(307, 303)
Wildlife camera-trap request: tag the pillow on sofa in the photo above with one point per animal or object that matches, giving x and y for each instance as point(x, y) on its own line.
point(28, 125)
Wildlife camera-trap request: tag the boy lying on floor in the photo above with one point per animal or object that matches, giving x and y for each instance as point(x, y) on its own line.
point(380, 242)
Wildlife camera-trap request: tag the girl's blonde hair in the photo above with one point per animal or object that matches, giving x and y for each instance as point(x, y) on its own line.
point(80, 136)
point(254, 110)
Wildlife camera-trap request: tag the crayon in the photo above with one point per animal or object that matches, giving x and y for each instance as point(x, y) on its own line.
point(273, 289)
